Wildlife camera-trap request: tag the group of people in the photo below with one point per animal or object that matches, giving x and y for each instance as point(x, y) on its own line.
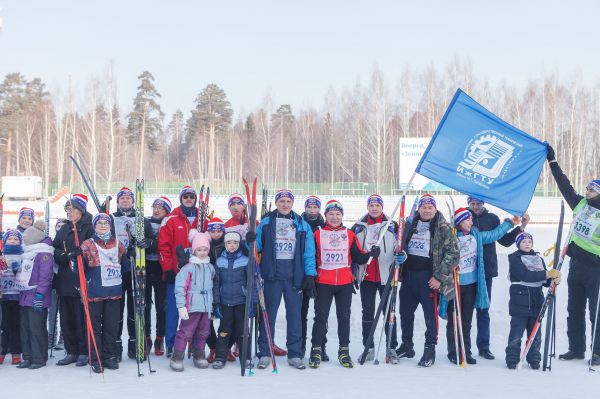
point(197, 273)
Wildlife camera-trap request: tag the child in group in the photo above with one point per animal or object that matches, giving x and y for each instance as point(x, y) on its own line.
point(34, 281)
point(13, 255)
point(25, 219)
point(527, 274)
point(230, 298)
point(102, 255)
point(194, 298)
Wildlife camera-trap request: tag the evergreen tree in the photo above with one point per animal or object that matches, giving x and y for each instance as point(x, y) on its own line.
point(145, 121)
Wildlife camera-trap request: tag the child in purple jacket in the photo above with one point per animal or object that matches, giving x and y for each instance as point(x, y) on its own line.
point(34, 281)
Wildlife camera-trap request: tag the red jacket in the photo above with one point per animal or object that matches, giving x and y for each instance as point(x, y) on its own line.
point(341, 275)
point(174, 231)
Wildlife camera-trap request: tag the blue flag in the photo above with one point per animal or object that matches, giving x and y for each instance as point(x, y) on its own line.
point(477, 153)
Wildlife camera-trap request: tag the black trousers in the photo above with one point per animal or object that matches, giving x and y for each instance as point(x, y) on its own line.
point(34, 335)
point(583, 283)
point(127, 295)
point(518, 325)
point(368, 293)
point(11, 337)
point(105, 322)
point(155, 283)
point(72, 325)
point(467, 307)
point(343, 300)
point(231, 329)
point(304, 313)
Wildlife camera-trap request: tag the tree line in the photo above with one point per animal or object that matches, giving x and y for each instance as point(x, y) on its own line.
point(351, 138)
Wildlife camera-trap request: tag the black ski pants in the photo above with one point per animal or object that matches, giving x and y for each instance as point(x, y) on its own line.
point(72, 325)
point(467, 307)
point(34, 335)
point(105, 322)
point(343, 300)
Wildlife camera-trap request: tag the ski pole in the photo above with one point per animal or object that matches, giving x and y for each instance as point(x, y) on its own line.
point(455, 328)
point(388, 305)
point(54, 322)
point(459, 318)
point(595, 329)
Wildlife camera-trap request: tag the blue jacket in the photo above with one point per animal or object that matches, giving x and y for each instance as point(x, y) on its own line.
point(483, 238)
point(303, 264)
point(231, 278)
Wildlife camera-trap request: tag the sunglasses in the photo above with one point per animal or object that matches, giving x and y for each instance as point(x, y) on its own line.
point(188, 196)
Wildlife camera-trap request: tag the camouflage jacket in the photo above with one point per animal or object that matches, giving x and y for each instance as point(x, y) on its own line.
point(444, 251)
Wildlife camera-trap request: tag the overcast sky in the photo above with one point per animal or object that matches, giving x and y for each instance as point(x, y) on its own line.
point(295, 50)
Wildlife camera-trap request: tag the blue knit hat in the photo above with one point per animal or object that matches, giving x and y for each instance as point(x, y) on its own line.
point(284, 193)
point(471, 199)
point(460, 215)
point(27, 212)
point(374, 199)
point(125, 191)
point(99, 217)
point(235, 198)
point(12, 233)
point(427, 199)
point(164, 202)
point(522, 236)
point(79, 201)
point(312, 200)
point(595, 185)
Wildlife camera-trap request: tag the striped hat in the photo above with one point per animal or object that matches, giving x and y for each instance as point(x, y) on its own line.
point(99, 217)
point(312, 200)
point(235, 198)
point(523, 236)
point(334, 205)
point(79, 201)
point(215, 224)
point(27, 212)
point(125, 191)
point(427, 199)
point(284, 193)
point(375, 198)
point(187, 190)
point(595, 185)
point(460, 215)
point(12, 233)
point(164, 202)
point(470, 199)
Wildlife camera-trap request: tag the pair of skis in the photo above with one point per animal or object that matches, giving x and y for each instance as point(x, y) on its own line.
point(253, 277)
point(203, 208)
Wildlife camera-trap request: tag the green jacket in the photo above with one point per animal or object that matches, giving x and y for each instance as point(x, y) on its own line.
point(444, 251)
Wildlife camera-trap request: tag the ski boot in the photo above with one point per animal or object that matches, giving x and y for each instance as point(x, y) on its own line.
point(277, 351)
point(297, 363)
point(16, 359)
point(571, 355)
point(406, 350)
point(428, 358)
point(148, 346)
point(159, 346)
point(314, 361)
point(344, 357)
point(264, 362)
point(176, 363)
point(200, 358)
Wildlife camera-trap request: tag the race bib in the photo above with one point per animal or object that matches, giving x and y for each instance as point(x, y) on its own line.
point(372, 235)
point(533, 263)
point(124, 227)
point(285, 239)
point(242, 229)
point(587, 223)
point(468, 254)
point(334, 249)
point(7, 281)
point(24, 275)
point(110, 268)
point(420, 242)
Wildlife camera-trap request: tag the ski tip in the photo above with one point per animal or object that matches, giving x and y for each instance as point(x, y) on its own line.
point(275, 371)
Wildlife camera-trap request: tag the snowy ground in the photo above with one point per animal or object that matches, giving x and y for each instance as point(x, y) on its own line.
point(488, 379)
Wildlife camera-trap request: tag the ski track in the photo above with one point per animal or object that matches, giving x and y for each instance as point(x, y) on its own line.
point(489, 379)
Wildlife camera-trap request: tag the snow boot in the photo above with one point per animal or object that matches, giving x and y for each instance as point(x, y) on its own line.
point(200, 358)
point(148, 346)
point(176, 363)
point(169, 351)
point(23, 364)
point(486, 354)
point(470, 359)
point(264, 362)
point(392, 357)
point(111, 363)
point(314, 361)
point(324, 355)
point(35, 366)
point(277, 351)
point(344, 357)
point(159, 346)
point(131, 352)
point(16, 359)
point(406, 350)
point(212, 355)
point(534, 365)
point(570, 355)
point(82, 361)
point(428, 358)
point(96, 368)
point(218, 364)
point(595, 360)
point(68, 359)
point(511, 366)
point(452, 357)
point(296, 363)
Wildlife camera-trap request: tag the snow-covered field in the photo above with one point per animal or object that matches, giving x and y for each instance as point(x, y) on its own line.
point(489, 379)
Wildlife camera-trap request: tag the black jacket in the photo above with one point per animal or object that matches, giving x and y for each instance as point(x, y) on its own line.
point(485, 222)
point(572, 198)
point(524, 301)
point(314, 224)
point(148, 236)
point(66, 281)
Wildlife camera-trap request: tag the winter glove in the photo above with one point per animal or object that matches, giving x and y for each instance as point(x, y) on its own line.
point(553, 274)
point(308, 286)
point(375, 252)
point(183, 257)
point(74, 253)
point(401, 258)
point(170, 277)
point(38, 302)
point(250, 237)
point(144, 243)
point(550, 155)
point(183, 313)
point(216, 311)
point(15, 267)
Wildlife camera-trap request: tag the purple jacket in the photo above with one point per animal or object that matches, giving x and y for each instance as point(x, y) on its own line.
point(41, 275)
